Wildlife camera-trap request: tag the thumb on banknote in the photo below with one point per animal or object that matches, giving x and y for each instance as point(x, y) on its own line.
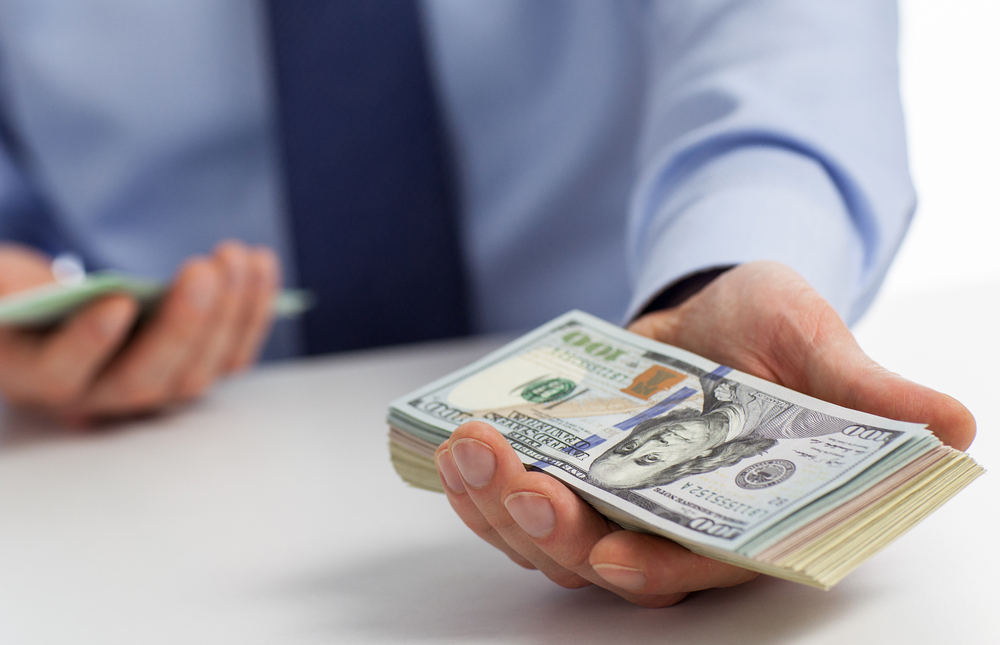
point(22, 268)
point(764, 319)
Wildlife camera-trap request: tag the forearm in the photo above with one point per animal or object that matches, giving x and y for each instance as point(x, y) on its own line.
point(774, 132)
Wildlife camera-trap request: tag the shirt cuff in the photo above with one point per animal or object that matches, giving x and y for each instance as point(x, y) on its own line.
point(755, 203)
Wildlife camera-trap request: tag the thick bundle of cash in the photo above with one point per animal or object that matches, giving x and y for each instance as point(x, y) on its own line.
point(661, 440)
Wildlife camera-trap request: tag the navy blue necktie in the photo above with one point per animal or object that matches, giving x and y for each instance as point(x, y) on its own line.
point(373, 216)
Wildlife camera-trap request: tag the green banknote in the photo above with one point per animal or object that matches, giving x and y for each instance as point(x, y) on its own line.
point(664, 441)
point(48, 305)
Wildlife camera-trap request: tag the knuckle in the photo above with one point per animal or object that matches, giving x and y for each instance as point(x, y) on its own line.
point(240, 360)
point(19, 398)
point(140, 397)
point(181, 336)
point(265, 259)
point(574, 557)
point(659, 601)
point(266, 270)
point(196, 263)
point(521, 561)
point(234, 365)
point(230, 247)
point(567, 579)
point(499, 518)
point(478, 525)
point(59, 393)
point(38, 390)
point(144, 400)
point(193, 387)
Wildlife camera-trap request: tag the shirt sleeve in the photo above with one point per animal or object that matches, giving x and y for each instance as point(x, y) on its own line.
point(24, 216)
point(21, 216)
point(773, 131)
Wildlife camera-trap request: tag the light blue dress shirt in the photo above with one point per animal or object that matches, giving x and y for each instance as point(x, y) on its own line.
point(604, 149)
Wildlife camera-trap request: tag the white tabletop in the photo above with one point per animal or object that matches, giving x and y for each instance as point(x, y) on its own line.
point(269, 513)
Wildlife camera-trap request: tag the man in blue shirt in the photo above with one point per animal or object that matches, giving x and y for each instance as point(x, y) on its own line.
point(613, 157)
point(603, 152)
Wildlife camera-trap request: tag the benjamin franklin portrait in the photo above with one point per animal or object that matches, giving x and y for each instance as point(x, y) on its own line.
point(736, 422)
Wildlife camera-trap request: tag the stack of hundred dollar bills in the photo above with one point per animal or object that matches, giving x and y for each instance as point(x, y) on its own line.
point(661, 440)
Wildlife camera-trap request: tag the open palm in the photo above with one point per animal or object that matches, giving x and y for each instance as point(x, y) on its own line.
point(761, 318)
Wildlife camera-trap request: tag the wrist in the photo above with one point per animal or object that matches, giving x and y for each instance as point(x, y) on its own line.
point(677, 293)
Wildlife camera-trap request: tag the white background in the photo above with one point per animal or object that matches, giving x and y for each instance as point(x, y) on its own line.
point(950, 55)
point(943, 291)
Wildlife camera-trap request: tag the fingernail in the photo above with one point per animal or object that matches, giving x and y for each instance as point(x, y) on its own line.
point(262, 280)
point(236, 273)
point(269, 268)
point(111, 321)
point(449, 471)
point(532, 512)
point(622, 577)
point(475, 460)
point(200, 290)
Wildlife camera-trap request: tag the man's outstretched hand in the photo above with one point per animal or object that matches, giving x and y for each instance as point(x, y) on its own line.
point(211, 322)
point(761, 318)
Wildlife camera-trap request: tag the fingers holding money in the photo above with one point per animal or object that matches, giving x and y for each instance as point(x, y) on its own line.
point(644, 569)
point(240, 310)
point(265, 280)
point(98, 364)
point(49, 370)
point(214, 318)
point(465, 507)
point(539, 522)
point(765, 319)
point(658, 571)
point(52, 370)
point(484, 463)
point(144, 375)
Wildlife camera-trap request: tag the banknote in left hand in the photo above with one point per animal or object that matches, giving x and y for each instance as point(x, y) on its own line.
point(90, 367)
point(761, 318)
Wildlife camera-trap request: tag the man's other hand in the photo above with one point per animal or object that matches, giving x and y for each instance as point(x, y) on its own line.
point(211, 322)
point(761, 318)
